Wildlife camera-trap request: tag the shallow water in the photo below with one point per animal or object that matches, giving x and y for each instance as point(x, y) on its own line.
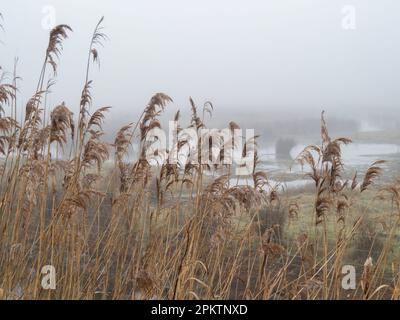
point(356, 156)
point(274, 184)
point(359, 153)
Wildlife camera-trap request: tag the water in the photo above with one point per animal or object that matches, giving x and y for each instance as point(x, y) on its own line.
point(274, 184)
point(288, 174)
point(356, 156)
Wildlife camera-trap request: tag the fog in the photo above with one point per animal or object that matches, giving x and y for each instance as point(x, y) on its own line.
point(258, 60)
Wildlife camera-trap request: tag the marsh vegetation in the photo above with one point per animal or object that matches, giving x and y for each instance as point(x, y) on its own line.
point(117, 228)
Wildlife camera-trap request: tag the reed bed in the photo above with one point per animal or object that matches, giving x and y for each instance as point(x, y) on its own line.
point(132, 230)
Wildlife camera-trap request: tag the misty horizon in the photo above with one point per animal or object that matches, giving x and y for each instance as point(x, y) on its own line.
point(265, 57)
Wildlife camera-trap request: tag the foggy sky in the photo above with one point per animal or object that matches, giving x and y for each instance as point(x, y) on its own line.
point(256, 55)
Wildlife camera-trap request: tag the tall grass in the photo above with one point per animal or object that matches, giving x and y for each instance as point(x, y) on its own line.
point(136, 231)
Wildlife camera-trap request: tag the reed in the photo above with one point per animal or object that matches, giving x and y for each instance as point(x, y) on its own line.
point(132, 230)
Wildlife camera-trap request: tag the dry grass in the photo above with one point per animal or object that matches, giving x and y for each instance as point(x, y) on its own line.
point(138, 232)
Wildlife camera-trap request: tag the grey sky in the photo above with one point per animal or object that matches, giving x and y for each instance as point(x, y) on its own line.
point(257, 55)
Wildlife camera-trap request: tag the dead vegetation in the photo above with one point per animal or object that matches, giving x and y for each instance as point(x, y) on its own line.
point(139, 231)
